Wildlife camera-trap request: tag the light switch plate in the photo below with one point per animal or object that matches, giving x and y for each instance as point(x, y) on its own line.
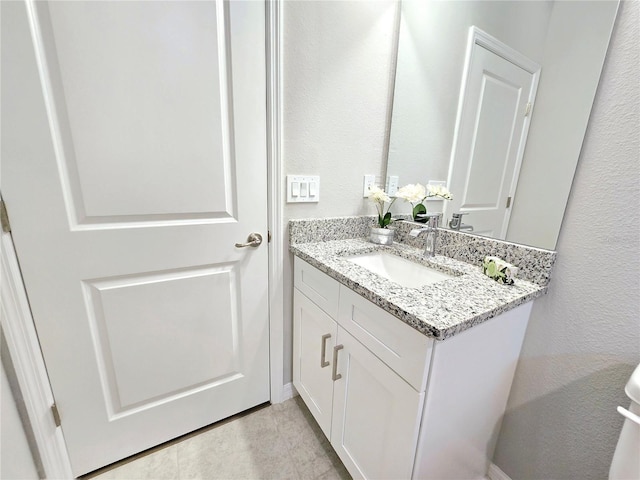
point(392, 185)
point(369, 181)
point(303, 188)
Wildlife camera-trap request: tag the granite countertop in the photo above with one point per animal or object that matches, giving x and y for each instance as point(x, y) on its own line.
point(439, 310)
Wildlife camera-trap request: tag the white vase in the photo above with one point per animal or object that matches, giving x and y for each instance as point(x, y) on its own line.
point(381, 236)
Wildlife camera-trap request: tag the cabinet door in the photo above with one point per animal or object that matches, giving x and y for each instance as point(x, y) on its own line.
point(314, 335)
point(376, 415)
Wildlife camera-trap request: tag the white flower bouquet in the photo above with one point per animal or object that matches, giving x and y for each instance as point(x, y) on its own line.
point(416, 194)
point(380, 198)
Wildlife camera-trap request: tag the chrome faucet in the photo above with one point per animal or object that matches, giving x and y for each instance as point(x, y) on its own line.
point(431, 231)
point(456, 222)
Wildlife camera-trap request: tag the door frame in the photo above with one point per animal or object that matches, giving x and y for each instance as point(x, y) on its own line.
point(31, 373)
point(483, 39)
point(275, 203)
point(18, 325)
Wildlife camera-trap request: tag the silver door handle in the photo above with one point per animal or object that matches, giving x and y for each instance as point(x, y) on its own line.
point(253, 240)
point(335, 375)
point(323, 351)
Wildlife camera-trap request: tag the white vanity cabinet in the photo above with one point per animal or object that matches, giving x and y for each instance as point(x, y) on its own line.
point(342, 370)
point(393, 402)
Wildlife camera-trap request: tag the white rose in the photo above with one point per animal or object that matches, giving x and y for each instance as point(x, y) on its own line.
point(412, 193)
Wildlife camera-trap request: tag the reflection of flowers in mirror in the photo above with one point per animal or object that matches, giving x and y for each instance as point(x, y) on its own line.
point(415, 194)
point(379, 198)
point(439, 191)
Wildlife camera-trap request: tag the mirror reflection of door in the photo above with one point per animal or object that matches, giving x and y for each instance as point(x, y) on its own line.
point(491, 133)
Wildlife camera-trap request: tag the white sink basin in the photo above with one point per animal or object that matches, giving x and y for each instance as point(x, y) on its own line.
point(399, 270)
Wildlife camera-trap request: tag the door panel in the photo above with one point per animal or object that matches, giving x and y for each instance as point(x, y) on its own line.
point(133, 159)
point(114, 165)
point(493, 127)
point(500, 101)
point(196, 348)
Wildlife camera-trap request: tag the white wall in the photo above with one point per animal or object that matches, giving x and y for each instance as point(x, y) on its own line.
point(583, 339)
point(338, 61)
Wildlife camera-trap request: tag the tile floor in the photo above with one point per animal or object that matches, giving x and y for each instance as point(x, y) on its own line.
point(275, 442)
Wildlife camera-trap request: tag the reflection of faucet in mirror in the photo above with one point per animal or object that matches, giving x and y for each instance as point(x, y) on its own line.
point(431, 231)
point(456, 222)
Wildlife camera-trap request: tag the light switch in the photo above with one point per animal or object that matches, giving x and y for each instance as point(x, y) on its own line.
point(369, 181)
point(392, 185)
point(303, 188)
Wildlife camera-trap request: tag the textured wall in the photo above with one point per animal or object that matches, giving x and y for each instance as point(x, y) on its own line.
point(583, 339)
point(338, 60)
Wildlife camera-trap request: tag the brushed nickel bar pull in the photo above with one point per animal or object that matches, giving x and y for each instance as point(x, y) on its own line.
point(335, 375)
point(323, 352)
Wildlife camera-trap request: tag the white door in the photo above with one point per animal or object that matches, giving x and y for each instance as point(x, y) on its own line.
point(376, 414)
point(493, 123)
point(133, 159)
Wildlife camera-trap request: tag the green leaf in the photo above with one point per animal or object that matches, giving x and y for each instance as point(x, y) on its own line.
point(386, 220)
point(419, 208)
point(492, 269)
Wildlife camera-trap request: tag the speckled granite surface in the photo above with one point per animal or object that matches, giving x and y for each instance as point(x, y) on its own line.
point(332, 228)
point(439, 310)
point(534, 264)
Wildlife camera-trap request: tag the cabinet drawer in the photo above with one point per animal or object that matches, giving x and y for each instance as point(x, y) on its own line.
point(405, 350)
point(318, 286)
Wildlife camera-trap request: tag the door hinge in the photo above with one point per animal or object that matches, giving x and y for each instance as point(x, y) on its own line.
point(268, 236)
point(527, 110)
point(4, 217)
point(508, 202)
point(56, 415)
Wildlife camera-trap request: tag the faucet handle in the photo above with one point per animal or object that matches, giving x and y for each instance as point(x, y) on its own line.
point(456, 220)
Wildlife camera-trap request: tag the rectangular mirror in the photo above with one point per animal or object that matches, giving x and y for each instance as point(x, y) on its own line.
point(506, 141)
